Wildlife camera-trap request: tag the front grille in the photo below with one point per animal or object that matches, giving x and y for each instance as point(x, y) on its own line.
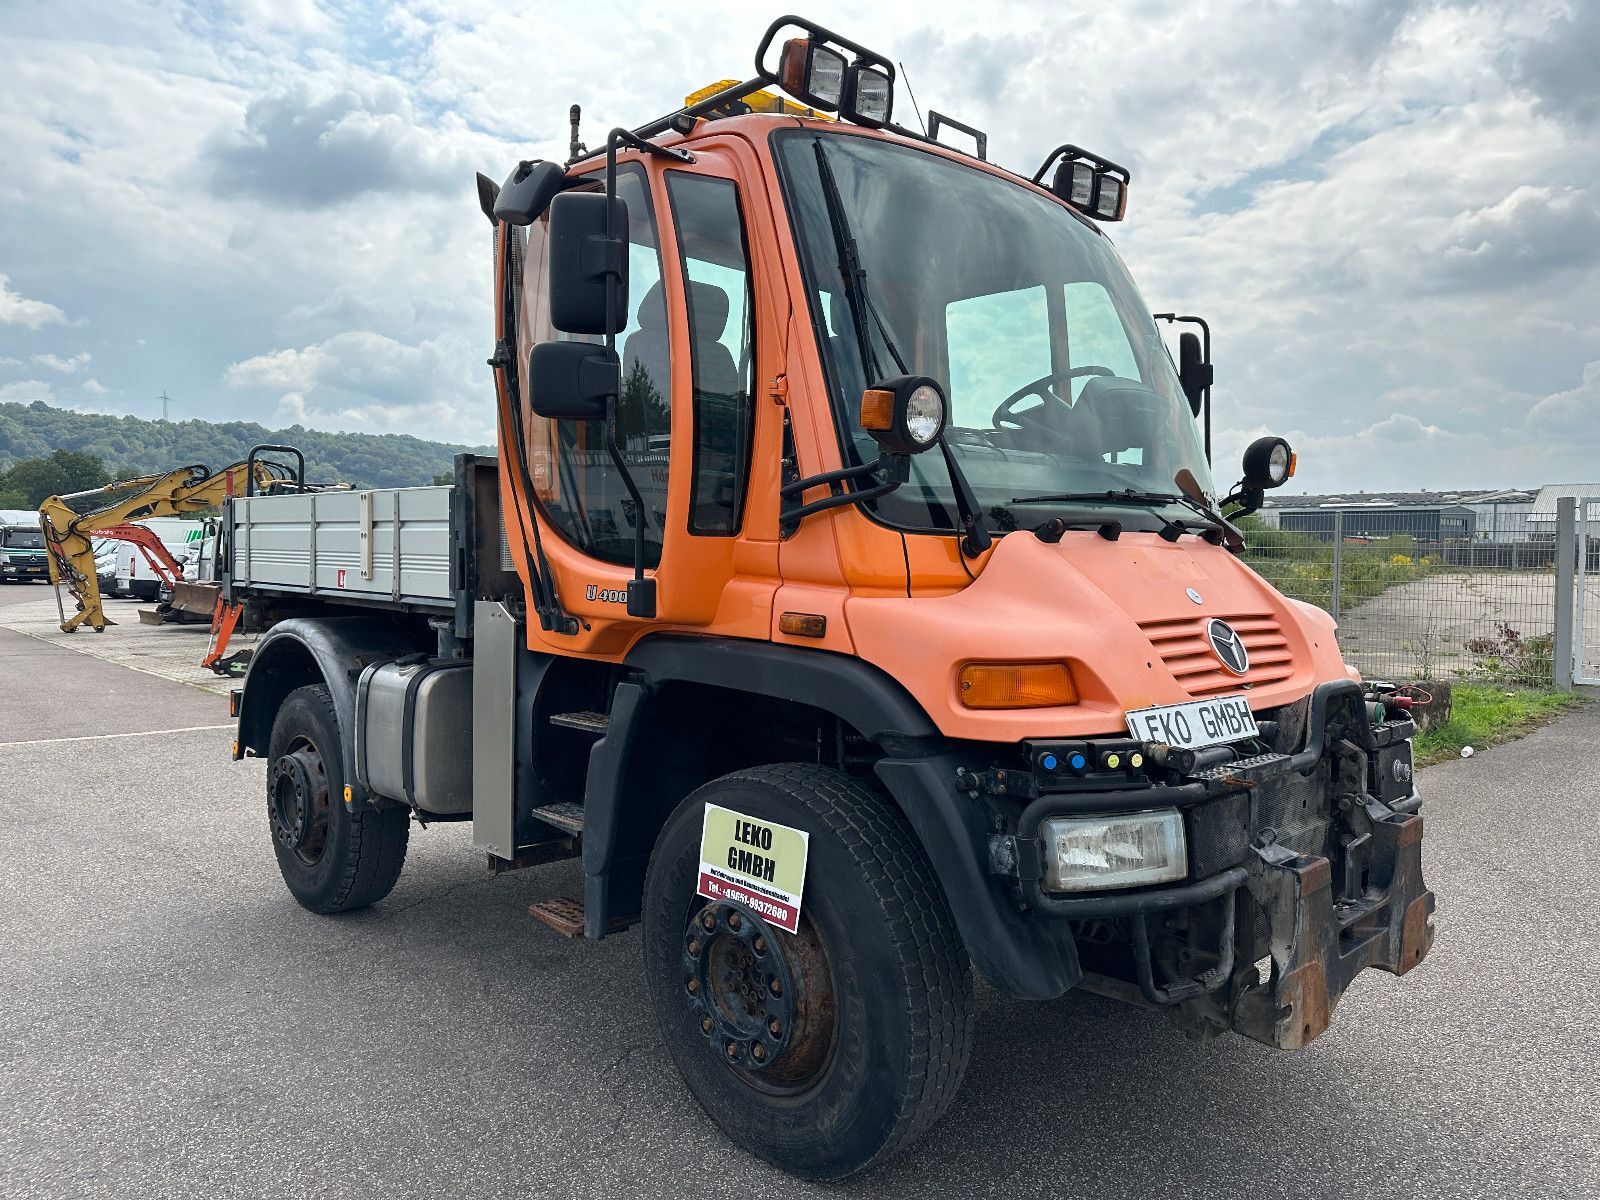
point(1185, 649)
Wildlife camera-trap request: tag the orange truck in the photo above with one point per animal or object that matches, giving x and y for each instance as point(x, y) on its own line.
point(851, 595)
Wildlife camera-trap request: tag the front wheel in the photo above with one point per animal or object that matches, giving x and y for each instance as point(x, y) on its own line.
point(824, 1051)
point(332, 860)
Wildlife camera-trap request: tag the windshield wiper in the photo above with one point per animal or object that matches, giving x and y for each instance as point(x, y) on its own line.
point(975, 537)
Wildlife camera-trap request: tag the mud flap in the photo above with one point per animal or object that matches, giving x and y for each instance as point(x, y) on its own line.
point(1317, 947)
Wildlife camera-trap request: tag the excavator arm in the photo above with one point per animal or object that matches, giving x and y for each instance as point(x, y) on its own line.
point(182, 492)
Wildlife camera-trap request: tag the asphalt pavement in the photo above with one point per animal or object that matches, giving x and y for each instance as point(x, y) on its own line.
point(174, 1025)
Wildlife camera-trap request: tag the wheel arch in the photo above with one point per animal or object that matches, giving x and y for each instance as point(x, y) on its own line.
point(634, 783)
point(331, 651)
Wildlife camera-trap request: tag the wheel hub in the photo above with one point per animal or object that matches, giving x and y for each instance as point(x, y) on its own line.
point(739, 986)
point(299, 790)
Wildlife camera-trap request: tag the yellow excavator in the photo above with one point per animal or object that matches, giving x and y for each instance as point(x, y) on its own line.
point(69, 523)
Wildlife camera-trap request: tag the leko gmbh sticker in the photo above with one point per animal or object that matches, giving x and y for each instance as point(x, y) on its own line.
point(759, 864)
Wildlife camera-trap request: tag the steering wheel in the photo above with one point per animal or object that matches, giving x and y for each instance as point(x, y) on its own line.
point(1006, 415)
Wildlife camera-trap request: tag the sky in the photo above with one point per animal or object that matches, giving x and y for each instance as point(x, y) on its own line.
point(1388, 211)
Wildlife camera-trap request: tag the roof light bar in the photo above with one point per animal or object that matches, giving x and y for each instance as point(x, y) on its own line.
point(813, 69)
point(1095, 186)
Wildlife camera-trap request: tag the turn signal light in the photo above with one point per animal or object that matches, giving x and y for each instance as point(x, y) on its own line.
point(1017, 685)
point(877, 409)
point(797, 624)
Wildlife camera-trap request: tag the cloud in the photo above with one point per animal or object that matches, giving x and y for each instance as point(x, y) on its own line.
point(17, 309)
point(1522, 239)
point(26, 391)
point(67, 366)
point(1558, 68)
point(93, 387)
point(310, 146)
point(1572, 415)
point(372, 383)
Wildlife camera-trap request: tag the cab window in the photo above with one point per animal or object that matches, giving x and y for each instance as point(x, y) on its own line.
point(716, 273)
point(997, 344)
point(577, 484)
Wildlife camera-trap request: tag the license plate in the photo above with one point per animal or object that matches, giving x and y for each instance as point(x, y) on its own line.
point(1196, 724)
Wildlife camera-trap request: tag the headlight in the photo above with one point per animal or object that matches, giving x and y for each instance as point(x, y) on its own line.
point(905, 415)
point(1093, 853)
point(924, 415)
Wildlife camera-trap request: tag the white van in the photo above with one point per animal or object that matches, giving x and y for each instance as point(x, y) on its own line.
point(134, 576)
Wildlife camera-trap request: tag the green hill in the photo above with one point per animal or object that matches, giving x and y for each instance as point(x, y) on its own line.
point(132, 446)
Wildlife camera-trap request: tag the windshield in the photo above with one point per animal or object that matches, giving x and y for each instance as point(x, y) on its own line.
point(22, 539)
point(1059, 382)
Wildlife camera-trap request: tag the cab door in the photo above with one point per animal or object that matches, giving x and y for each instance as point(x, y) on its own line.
point(690, 417)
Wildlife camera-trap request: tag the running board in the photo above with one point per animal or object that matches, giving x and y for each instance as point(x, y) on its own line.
point(565, 916)
point(586, 722)
point(563, 816)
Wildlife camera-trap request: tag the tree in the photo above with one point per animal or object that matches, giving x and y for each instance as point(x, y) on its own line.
point(63, 472)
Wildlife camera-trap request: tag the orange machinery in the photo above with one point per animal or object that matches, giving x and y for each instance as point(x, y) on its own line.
point(852, 594)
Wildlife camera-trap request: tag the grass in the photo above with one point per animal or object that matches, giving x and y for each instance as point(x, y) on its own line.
point(1301, 565)
point(1484, 715)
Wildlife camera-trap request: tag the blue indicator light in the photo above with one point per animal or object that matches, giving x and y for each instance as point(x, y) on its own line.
point(1078, 761)
point(1048, 762)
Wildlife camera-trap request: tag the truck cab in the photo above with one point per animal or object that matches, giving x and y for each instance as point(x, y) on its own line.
point(22, 554)
point(852, 593)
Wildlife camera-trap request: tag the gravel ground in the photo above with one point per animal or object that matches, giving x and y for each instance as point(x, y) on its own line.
point(174, 1026)
point(1422, 628)
point(166, 651)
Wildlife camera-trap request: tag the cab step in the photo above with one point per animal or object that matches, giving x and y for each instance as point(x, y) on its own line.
point(587, 722)
point(565, 916)
point(562, 816)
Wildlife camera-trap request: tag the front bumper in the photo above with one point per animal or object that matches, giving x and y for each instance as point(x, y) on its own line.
point(1305, 869)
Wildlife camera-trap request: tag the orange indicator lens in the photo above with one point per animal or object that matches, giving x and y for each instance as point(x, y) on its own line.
point(1017, 685)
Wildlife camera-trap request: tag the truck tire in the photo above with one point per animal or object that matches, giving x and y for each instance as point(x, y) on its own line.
point(332, 860)
point(880, 990)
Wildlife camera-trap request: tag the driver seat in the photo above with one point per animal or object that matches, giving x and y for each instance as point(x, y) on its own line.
point(1112, 415)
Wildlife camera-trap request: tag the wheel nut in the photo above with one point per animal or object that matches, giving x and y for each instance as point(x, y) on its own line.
point(694, 986)
point(709, 920)
point(777, 988)
point(694, 949)
point(733, 921)
point(733, 1049)
point(758, 1051)
point(774, 1028)
point(707, 1025)
point(760, 943)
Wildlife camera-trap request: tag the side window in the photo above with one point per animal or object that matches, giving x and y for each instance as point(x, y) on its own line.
point(577, 483)
point(997, 343)
point(716, 272)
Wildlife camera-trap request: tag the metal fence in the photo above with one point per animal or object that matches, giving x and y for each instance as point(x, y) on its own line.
point(1483, 610)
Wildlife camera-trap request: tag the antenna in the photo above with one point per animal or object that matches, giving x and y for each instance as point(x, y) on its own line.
point(576, 148)
point(165, 400)
point(914, 106)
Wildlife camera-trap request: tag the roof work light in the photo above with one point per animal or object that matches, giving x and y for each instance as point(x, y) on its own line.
point(814, 69)
point(1095, 186)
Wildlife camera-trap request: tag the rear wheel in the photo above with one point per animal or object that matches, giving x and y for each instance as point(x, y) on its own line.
point(824, 1051)
point(332, 860)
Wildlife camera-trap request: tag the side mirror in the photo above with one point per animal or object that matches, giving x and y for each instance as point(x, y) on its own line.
point(572, 381)
point(1194, 372)
point(526, 193)
point(588, 261)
